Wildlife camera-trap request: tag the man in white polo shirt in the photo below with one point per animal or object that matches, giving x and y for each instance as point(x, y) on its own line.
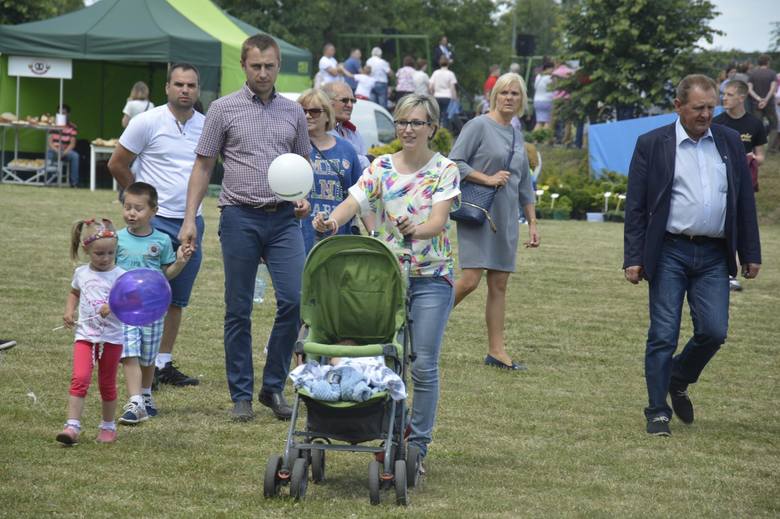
point(158, 147)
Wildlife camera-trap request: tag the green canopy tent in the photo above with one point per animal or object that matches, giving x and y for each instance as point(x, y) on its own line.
point(115, 43)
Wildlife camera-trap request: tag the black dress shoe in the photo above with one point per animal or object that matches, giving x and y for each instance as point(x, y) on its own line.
point(242, 411)
point(277, 403)
point(681, 404)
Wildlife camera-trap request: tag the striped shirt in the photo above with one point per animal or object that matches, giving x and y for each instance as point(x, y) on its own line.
point(64, 137)
point(249, 134)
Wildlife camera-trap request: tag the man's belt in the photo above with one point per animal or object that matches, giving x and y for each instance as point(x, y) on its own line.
point(694, 239)
point(272, 207)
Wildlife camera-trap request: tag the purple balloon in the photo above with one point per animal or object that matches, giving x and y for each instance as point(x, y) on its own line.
point(140, 297)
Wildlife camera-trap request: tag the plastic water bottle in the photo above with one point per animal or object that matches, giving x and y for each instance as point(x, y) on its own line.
point(260, 284)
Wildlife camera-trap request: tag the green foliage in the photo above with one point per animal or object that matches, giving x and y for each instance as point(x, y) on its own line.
point(391, 147)
point(13, 12)
point(540, 18)
point(615, 216)
point(541, 135)
point(468, 25)
point(632, 52)
point(442, 142)
point(561, 209)
point(583, 192)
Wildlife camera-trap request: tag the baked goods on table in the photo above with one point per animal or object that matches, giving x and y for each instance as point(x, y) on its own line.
point(110, 143)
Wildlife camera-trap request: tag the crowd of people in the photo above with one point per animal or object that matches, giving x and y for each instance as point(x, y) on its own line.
point(689, 198)
point(372, 81)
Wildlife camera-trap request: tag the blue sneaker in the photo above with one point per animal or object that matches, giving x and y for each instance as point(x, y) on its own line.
point(133, 414)
point(151, 409)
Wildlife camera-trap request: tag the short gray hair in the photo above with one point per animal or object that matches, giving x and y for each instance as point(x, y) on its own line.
point(704, 83)
point(376, 51)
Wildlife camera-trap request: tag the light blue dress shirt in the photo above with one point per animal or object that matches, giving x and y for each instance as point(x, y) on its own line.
point(698, 205)
point(356, 140)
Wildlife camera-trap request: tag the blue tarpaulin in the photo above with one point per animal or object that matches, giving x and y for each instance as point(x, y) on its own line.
point(611, 145)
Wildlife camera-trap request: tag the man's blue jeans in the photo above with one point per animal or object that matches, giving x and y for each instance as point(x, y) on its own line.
point(379, 94)
point(71, 157)
point(699, 270)
point(431, 300)
point(248, 234)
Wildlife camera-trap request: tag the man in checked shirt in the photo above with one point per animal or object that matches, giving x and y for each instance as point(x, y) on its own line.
point(250, 128)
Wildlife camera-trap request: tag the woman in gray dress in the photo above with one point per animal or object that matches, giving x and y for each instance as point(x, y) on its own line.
point(491, 152)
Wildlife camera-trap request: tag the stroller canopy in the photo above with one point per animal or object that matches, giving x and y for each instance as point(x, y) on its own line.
point(352, 289)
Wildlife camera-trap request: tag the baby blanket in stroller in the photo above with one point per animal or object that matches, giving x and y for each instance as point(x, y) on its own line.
point(351, 379)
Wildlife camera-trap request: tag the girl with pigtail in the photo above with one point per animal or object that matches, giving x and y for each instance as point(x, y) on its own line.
point(98, 333)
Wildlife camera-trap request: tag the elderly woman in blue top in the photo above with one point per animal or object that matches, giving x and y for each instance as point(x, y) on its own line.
point(489, 151)
point(412, 193)
point(335, 162)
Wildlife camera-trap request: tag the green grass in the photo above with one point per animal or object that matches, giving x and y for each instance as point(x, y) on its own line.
point(565, 438)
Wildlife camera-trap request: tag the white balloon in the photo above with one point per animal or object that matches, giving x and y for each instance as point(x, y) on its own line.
point(290, 177)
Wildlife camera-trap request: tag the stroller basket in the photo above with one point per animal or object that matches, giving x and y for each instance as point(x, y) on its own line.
point(353, 422)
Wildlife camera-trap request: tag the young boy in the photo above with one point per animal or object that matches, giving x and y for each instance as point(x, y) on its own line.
point(142, 246)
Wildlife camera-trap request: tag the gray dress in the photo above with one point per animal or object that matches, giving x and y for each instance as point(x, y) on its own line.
point(483, 145)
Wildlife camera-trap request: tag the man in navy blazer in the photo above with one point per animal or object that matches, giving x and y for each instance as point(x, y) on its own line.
point(689, 211)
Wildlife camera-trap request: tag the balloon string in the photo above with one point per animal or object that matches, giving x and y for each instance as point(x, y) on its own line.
point(30, 393)
point(77, 322)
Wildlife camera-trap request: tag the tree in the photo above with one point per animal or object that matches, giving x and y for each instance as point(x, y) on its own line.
point(774, 38)
point(13, 12)
point(540, 18)
point(631, 52)
point(468, 24)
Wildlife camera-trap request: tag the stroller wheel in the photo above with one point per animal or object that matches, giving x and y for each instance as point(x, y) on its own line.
point(317, 465)
point(401, 492)
point(373, 481)
point(271, 481)
point(412, 465)
point(299, 479)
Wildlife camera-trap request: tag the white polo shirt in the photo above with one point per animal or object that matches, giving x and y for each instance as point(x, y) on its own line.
point(165, 152)
point(325, 64)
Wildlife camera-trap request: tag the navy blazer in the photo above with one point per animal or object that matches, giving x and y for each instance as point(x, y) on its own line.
point(650, 191)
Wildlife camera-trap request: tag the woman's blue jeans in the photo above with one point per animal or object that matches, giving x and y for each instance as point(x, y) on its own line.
point(699, 270)
point(431, 301)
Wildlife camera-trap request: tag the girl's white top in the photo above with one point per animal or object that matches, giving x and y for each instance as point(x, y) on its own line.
point(95, 288)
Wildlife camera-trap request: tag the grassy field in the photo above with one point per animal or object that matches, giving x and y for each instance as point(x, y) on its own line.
point(565, 438)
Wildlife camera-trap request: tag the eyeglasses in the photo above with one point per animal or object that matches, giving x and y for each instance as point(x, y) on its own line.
point(314, 112)
point(345, 100)
point(401, 124)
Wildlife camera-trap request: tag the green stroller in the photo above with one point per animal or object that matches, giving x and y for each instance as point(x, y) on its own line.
point(353, 287)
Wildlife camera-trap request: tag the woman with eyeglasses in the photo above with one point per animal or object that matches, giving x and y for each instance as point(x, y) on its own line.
point(411, 193)
point(489, 151)
point(334, 160)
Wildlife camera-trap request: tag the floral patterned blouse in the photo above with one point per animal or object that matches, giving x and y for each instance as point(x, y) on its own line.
point(389, 195)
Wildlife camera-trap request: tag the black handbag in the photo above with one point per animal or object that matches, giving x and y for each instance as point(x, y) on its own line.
point(477, 199)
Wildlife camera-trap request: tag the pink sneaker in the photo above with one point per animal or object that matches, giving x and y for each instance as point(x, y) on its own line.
point(106, 436)
point(69, 436)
